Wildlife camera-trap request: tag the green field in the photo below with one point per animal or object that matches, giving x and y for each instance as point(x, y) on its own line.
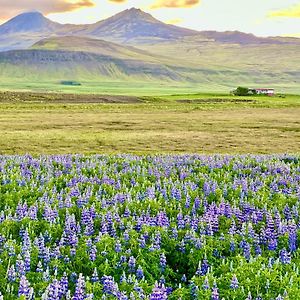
point(107, 87)
point(202, 123)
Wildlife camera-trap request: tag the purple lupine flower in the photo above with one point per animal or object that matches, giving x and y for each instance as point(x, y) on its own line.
point(80, 289)
point(181, 246)
point(215, 294)
point(24, 287)
point(27, 261)
point(64, 285)
point(126, 236)
point(234, 282)
point(293, 241)
point(123, 278)
point(20, 266)
point(257, 249)
point(140, 273)
point(142, 242)
point(204, 268)
point(39, 267)
point(53, 290)
point(158, 293)
point(93, 253)
point(118, 247)
point(162, 280)
point(46, 275)
point(46, 256)
point(232, 246)
point(194, 290)
point(272, 244)
point(285, 257)
point(131, 264)
point(11, 274)
point(246, 250)
point(95, 277)
point(206, 285)
point(109, 286)
point(162, 262)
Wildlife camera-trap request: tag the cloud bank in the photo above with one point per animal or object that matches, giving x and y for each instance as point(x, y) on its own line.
point(175, 3)
point(290, 12)
point(11, 8)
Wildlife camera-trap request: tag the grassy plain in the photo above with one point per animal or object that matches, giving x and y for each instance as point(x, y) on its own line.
point(202, 123)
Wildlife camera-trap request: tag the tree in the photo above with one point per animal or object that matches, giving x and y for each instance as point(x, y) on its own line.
point(241, 91)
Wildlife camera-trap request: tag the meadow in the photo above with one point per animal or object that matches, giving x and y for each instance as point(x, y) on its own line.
point(155, 223)
point(149, 227)
point(51, 123)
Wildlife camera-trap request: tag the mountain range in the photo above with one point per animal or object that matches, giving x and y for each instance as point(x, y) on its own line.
point(133, 45)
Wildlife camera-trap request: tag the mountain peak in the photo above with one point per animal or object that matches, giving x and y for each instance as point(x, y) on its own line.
point(134, 9)
point(133, 14)
point(134, 23)
point(33, 12)
point(31, 21)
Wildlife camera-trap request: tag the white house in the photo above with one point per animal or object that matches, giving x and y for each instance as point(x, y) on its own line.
point(263, 91)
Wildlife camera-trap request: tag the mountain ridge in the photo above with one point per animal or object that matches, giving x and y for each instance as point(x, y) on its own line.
point(129, 26)
point(133, 45)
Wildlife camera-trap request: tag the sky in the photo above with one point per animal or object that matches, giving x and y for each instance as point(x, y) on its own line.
point(261, 17)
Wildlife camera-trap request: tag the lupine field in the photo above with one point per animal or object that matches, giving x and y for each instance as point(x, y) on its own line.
point(150, 227)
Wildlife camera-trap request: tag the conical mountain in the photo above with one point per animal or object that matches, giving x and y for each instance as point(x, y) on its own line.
point(134, 23)
point(29, 22)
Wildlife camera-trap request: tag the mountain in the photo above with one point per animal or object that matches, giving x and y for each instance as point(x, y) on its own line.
point(33, 22)
point(25, 29)
point(135, 25)
point(131, 26)
point(134, 46)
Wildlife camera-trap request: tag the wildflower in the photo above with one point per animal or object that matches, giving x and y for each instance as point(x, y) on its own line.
point(24, 287)
point(140, 273)
point(80, 289)
point(158, 293)
point(234, 282)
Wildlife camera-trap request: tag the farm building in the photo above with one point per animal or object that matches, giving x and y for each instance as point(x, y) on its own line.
point(244, 91)
point(263, 91)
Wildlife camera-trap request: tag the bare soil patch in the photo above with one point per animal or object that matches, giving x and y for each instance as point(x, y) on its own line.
point(65, 98)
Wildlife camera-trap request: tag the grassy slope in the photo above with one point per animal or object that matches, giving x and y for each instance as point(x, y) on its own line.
point(207, 124)
point(208, 66)
point(74, 43)
point(232, 64)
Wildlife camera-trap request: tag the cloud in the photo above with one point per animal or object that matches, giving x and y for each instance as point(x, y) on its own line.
point(175, 21)
point(12, 8)
point(175, 3)
point(297, 35)
point(290, 12)
point(118, 1)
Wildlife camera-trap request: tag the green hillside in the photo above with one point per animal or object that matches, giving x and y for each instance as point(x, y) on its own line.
point(148, 54)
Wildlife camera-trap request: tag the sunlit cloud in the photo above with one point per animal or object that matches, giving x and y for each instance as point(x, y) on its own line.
point(174, 21)
point(290, 12)
point(118, 1)
point(174, 4)
point(12, 8)
point(296, 35)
